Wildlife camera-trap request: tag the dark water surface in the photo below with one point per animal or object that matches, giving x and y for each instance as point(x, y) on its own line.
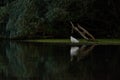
point(28, 61)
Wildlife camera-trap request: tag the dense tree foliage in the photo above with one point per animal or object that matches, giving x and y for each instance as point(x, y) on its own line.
point(40, 18)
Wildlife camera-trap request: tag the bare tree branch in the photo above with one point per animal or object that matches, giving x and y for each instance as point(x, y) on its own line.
point(83, 32)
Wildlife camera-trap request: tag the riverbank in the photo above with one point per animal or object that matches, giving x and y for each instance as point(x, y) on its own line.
point(81, 41)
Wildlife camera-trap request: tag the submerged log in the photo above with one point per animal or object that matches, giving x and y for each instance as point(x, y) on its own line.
point(83, 32)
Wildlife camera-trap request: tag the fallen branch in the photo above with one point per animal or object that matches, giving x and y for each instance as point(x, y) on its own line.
point(83, 32)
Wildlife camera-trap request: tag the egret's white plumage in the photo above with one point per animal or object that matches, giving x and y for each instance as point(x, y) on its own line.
point(73, 40)
point(73, 50)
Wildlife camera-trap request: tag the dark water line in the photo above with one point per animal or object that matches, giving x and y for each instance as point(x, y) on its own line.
point(31, 61)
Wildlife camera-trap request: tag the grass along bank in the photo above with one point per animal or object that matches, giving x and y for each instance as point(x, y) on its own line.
point(81, 41)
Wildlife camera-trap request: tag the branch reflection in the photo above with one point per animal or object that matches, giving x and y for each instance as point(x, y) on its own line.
point(77, 53)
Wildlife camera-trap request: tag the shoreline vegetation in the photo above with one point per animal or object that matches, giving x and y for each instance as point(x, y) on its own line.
point(41, 18)
point(81, 41)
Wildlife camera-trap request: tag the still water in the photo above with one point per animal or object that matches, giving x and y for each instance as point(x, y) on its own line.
point(32, 61)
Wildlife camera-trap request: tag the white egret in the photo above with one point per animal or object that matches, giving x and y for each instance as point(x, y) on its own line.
point(74, 40)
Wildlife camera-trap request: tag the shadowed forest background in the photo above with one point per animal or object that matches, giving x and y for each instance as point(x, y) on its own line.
point(23, 19)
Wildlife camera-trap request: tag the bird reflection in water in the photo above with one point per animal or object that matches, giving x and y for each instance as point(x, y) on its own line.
point(78, 53)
